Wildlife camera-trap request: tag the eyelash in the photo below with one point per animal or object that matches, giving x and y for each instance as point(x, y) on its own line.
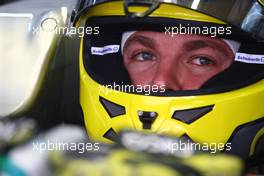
point(212, 60)
point(142, 52)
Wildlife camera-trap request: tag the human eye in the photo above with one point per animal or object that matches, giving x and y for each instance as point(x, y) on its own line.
point(202, 61)
point(144, 56)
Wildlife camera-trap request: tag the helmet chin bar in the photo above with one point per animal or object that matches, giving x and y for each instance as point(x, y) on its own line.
point(247, 135)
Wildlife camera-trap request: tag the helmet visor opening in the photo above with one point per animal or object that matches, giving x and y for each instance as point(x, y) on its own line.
point(142, 56)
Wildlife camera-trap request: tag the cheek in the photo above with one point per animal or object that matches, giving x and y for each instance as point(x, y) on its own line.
point(140, 73)
point(194, 82)
point(195, 78)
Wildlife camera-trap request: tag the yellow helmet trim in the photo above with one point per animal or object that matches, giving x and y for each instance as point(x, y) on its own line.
point(261, 2)
point(165, 10)
point(255, 140)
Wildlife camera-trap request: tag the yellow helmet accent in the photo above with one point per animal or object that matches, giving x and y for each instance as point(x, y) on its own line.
point(116, 8)
point(256, 139)
point(261, 2)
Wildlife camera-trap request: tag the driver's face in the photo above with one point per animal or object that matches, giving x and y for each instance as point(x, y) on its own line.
point(182, 62)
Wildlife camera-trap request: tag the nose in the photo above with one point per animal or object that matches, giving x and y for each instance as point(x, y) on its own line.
point(166, 77)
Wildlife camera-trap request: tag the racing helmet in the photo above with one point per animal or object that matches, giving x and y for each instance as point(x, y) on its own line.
point(227, 109)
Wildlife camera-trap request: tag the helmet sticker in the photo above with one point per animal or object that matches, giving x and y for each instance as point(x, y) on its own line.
point(249, 58)
point(105, 50)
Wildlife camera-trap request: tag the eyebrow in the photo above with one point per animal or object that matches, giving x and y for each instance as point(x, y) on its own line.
point(191, 45)
point(199, 44)
point(148, 42)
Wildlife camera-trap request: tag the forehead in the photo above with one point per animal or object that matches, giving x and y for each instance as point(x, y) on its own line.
point(185, 37)
point(188, 41)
